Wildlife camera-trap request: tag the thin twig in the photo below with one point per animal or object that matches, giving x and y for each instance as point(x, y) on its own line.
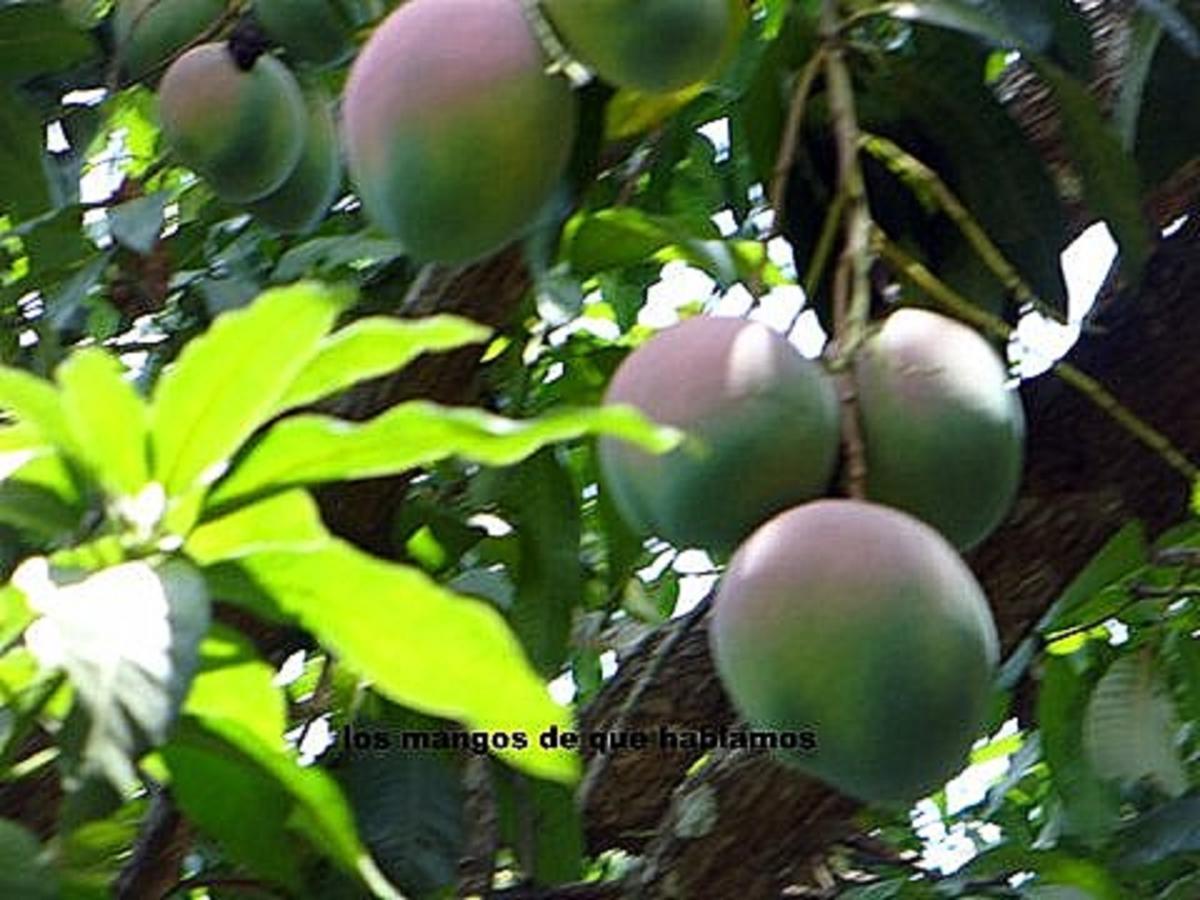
point(785, 158)
point(946, 297)
point(918, 177)
point(1137, 592)
point(851, 282)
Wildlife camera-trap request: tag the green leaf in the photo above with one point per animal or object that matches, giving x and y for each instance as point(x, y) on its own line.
point(1110, 178)
point(234, 684)
point(310, 449)
point(933, 103)
point(137, 223)
point(1145, 32)
point(264, 794)
point(15, 614)
point(1130, 727)
point(1050, 28)
point(325, 254)
point(23, 871)
point(1090, 804)
point(1122, 554)
point(67, 301)
point(56, 245)
point(90, 858)
point(420, 644)
point(287, 521)
point(1111, 184)
point(409, 812)
point(35, 403)
point(376, 346)
point(1163, 831)
point(38, 494)
point(320, 808)
point(1183, 655)
point(558, 834)
point(1166, 141)
point(36, 38)
point(108, 420)
point(33, 509)
point(545, 511)
point(1174, 22)
point(1185, 888)
point(227, 382)
point(615, 238)
point(24, 189)
point(128, 638)
point(985, 20)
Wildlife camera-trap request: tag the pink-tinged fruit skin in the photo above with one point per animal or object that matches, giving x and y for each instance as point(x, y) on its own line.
point(860, 623)
point(649, 45)
point(243, 132)
point(943, 429)
point(455, 135)
point(765, 422)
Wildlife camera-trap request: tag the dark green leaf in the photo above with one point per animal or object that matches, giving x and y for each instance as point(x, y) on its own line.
point(409, 812)
point(1164, 831)
point(1166, 140)
point(1144, 36)
point(1130, 726)
point(326, 254)
point(23, 871)
point(66, 303)
point(1175, 23)
point(1123, 553)
point(558, 834)
point(934, 104)
point(24, 190)
point(265, 798)
point(614, 238)
point(549, 580)
point(1090, 804)
point(1111, 185)
point(136, 223)
point(36, 38)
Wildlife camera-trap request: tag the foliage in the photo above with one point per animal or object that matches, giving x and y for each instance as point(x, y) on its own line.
point(175, 384)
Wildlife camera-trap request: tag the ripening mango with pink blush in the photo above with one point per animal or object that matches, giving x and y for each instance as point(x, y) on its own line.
point(763, 420)
point(944, 430)
point(860, 623)
point(456, 135)
point(241, 130)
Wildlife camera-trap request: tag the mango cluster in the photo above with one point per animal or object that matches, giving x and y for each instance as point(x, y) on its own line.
point(855, 619)
point(456, 126)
